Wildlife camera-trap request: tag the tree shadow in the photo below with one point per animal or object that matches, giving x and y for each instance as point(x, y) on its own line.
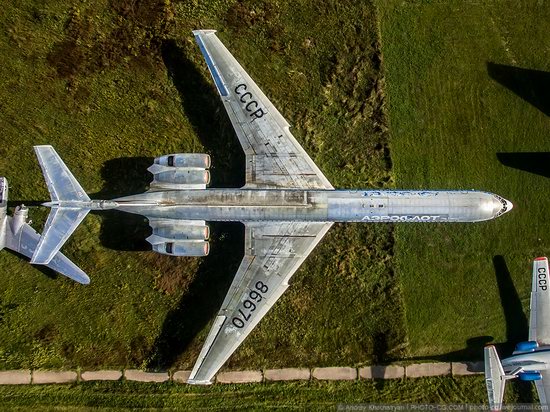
point(204, 297)
point(202, 105)
point(533, 86)
point(532, 162)
point(517, 325)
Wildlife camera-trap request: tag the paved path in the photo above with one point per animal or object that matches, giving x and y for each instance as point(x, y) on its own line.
point(394, 371)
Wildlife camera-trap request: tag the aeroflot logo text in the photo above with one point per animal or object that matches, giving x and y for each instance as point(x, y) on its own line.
point(250, 103)
point(434, 218)
point(542, 278)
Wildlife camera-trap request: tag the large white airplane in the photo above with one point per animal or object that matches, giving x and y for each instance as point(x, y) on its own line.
point(530, 360)
point(287, 205)
point(17, 235)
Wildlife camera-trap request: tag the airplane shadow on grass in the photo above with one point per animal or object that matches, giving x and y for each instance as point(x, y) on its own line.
point(125, 231)
point(124, 176)
point(199, 305)
point(532, 86)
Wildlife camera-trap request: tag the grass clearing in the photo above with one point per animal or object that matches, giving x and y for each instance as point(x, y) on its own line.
point(449, 119)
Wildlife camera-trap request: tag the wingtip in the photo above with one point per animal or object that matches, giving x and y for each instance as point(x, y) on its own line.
point(199, 382)
point(541, 258)
point(39, 148)
point(205, 31)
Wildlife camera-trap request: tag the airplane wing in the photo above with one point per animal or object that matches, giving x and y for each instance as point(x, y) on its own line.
point(273, 252)
point(25, 242)
point(274, 159)
point(543, 387)
point(539, 323)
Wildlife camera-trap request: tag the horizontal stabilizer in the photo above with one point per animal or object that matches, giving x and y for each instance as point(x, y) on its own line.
point(61, 223)
point(25, 242)
point(67, 211)
point(495, 379)
point(59, 179)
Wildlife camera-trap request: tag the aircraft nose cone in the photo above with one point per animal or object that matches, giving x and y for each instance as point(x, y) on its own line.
point(502, 206)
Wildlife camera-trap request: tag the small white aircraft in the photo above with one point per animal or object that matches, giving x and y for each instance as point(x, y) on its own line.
point(530, 360)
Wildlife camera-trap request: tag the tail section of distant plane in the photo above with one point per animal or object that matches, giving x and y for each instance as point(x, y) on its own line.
point(16, 234)
point(495, 378)
point(70, 204)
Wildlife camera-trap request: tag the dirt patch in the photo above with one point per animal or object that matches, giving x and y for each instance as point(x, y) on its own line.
point(136, 30)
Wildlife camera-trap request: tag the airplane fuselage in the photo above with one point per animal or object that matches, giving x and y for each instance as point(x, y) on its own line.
point(537, 360)
point(314, 205)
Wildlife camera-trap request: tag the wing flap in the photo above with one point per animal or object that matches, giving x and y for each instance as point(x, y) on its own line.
point(539, 322)
point(273, 253)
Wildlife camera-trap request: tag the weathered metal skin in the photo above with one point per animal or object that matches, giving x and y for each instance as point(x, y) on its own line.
point(316, 205)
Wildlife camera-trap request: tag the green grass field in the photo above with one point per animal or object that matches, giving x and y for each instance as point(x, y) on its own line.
point(449, 119)
point(295, 396)
point(396, 94)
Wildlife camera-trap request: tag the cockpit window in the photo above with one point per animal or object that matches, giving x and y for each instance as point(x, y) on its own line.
point(170, 160)
point(504, 205)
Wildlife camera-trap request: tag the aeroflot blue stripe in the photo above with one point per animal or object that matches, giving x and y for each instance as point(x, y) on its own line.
point(215, 75)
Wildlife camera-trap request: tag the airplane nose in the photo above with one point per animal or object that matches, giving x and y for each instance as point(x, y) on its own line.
point(502, 205)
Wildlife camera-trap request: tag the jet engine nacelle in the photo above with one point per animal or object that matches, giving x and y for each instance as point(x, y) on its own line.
point(183, 176)
point(529, 376)
point(183, 248)
point(193, 160)
point(182, 232)
point(528, 346)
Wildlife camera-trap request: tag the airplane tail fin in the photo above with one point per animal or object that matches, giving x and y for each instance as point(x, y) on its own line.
point(495, 378)
point(66, 213)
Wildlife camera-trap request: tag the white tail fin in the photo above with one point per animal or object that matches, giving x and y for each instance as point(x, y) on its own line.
point(495, 379)
point(67, 212)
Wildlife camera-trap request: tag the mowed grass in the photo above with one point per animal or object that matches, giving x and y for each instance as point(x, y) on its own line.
point(296, 396)
point(113, 84)
point(467, 284)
